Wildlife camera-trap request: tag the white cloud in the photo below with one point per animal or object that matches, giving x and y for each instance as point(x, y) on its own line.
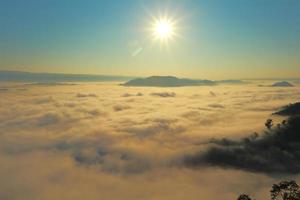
point(55, 138)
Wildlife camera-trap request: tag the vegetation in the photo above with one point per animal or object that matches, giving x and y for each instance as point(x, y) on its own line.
point(285, 190)
point(244, 197)
point(275, 151)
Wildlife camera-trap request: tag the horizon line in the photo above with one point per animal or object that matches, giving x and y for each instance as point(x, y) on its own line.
point(134, 76)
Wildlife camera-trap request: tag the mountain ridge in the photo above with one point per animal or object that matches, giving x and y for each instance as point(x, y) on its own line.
point(23, 76)
point(172, 81)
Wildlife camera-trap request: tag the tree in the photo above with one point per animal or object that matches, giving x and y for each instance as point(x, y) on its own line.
point(269, 123)
point(285, 190)
point(244, 197)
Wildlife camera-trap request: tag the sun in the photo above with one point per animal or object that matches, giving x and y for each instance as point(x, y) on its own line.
point(163, 29)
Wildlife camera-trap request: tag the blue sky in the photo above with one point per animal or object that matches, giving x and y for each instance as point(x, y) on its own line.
point(218, 39)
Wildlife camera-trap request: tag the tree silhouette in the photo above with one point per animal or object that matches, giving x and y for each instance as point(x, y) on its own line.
point(285, 190)
point(269, 123)
point(244, 197)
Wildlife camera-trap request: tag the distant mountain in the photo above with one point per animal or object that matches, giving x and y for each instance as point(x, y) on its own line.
point(231, 81)
point(167, 81)
point(282, 84)
point(18, 76)
point(297, 81)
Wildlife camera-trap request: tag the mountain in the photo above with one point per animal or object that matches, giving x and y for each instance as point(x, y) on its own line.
point(18, 76)
point(167, 81)
point(155, 81)
point(290, 110)
point(282, 84)
point(231, 81)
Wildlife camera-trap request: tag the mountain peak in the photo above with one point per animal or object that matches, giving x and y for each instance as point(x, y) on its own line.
point(282, 84)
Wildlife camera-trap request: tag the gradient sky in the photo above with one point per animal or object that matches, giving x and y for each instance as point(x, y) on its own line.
point(218, 39)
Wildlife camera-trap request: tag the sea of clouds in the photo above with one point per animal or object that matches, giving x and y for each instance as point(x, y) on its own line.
point(105, 141)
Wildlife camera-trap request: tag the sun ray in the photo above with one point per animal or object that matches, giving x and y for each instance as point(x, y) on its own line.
point(163, 29)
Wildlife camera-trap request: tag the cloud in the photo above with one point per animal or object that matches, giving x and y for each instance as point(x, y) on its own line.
point(80, 95)
point(3, 89)
point(130, 95)
point(153, 127)
point(50, 84)
point(212, 94)
point(164, 94)
point(48, 119)
point(192, 115)
point(127, 95)
point(215, 105)
point(43, 100)
point(113, 160)
point(90, 149)
point(118, 108)
point(94, 112)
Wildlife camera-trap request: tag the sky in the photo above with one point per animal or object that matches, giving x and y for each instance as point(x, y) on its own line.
point(214, 39)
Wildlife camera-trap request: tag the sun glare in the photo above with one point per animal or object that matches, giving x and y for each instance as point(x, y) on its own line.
point(163, 29)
